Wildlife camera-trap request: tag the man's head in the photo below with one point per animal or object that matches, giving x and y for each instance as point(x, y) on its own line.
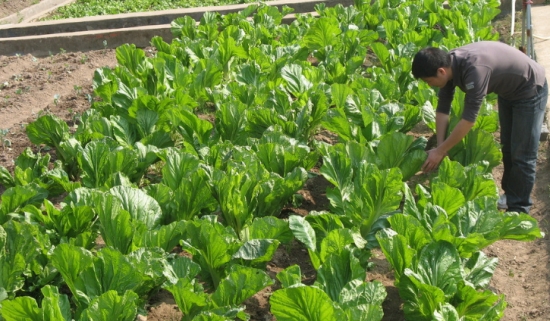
point(433, 66)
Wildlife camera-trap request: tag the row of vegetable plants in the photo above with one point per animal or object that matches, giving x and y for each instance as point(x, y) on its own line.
point(147, 172)
point(88, 8)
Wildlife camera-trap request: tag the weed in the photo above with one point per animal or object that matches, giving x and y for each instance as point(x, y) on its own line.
point(56, 99)
point(5, 142)
point(83, 59)
point(62, 51)
point(78, 89)
point(104, 47)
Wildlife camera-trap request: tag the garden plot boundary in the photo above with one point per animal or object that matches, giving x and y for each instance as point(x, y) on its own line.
point(41, 39)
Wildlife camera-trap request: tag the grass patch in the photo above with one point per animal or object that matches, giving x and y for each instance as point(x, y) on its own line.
point(87, 8)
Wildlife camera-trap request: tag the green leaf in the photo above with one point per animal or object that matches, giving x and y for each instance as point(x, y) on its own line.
point(21, 309)
point(212, 246)
point(378, 192)
point(297, 83)
point(381, 52)
point(5, 178)
point(322, 34)
point(336, 242)
point(49, 130)
point(94, 162)
point(290, 277)
point(474, 305)
point(446, 312)
point(268, 228)
point(116, 225)
point(165, 237)
point(55, 306)
point(274, 192)
point(403, 151)
point(111, 306)
point(420, 299)
point(303, 231)
point(133, 58)
point(189, 296)
point(438, 264)
point(520, 227)
point(338, 270)
point(358, 292)
point(396, 250)
point(410, 227)
point(473, 181)
point(15, 198)
point(449, 198)
point(240, 284)
point(340, 94)
point(323, 223)
point(141, 206)
point(257, 251)
point(184, 267)
point(477, 146)
point(71, 261)
point(302, 304)
point(362, 301)
point(479, 270)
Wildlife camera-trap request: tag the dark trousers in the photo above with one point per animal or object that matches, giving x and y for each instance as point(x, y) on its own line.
point(520, 127)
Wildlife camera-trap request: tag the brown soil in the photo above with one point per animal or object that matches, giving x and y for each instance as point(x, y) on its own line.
point(61, 84)
point(9, 7)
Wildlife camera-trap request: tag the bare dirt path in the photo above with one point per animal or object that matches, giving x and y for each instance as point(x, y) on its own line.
point(9, 7)
point(61, 84)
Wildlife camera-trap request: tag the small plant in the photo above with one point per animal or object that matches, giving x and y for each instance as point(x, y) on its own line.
point(62, 51)
point(83, 59)
point(19, 91)
point(78, 89)
point(5, 142)
point(56, 99)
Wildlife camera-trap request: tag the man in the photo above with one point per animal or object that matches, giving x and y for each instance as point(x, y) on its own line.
point(479, 69)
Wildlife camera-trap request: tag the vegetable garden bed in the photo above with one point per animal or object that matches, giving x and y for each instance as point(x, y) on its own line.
point(195, 135)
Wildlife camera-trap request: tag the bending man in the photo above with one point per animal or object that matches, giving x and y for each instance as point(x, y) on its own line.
point(479, 69)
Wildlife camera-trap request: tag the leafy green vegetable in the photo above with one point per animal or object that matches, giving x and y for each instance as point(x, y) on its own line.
point(302, 303)
point(55, 306)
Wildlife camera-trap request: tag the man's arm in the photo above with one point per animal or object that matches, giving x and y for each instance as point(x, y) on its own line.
point(436, 155)
point(441, 124)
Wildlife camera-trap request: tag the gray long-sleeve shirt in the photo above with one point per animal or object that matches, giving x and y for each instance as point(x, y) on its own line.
point(485, 67)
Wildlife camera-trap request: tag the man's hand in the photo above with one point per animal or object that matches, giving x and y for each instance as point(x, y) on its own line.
point(435, 156)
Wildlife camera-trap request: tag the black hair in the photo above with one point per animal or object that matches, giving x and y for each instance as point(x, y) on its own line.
point(428, 60)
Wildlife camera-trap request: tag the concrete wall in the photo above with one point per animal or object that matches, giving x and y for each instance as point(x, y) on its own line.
point(95, 33)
